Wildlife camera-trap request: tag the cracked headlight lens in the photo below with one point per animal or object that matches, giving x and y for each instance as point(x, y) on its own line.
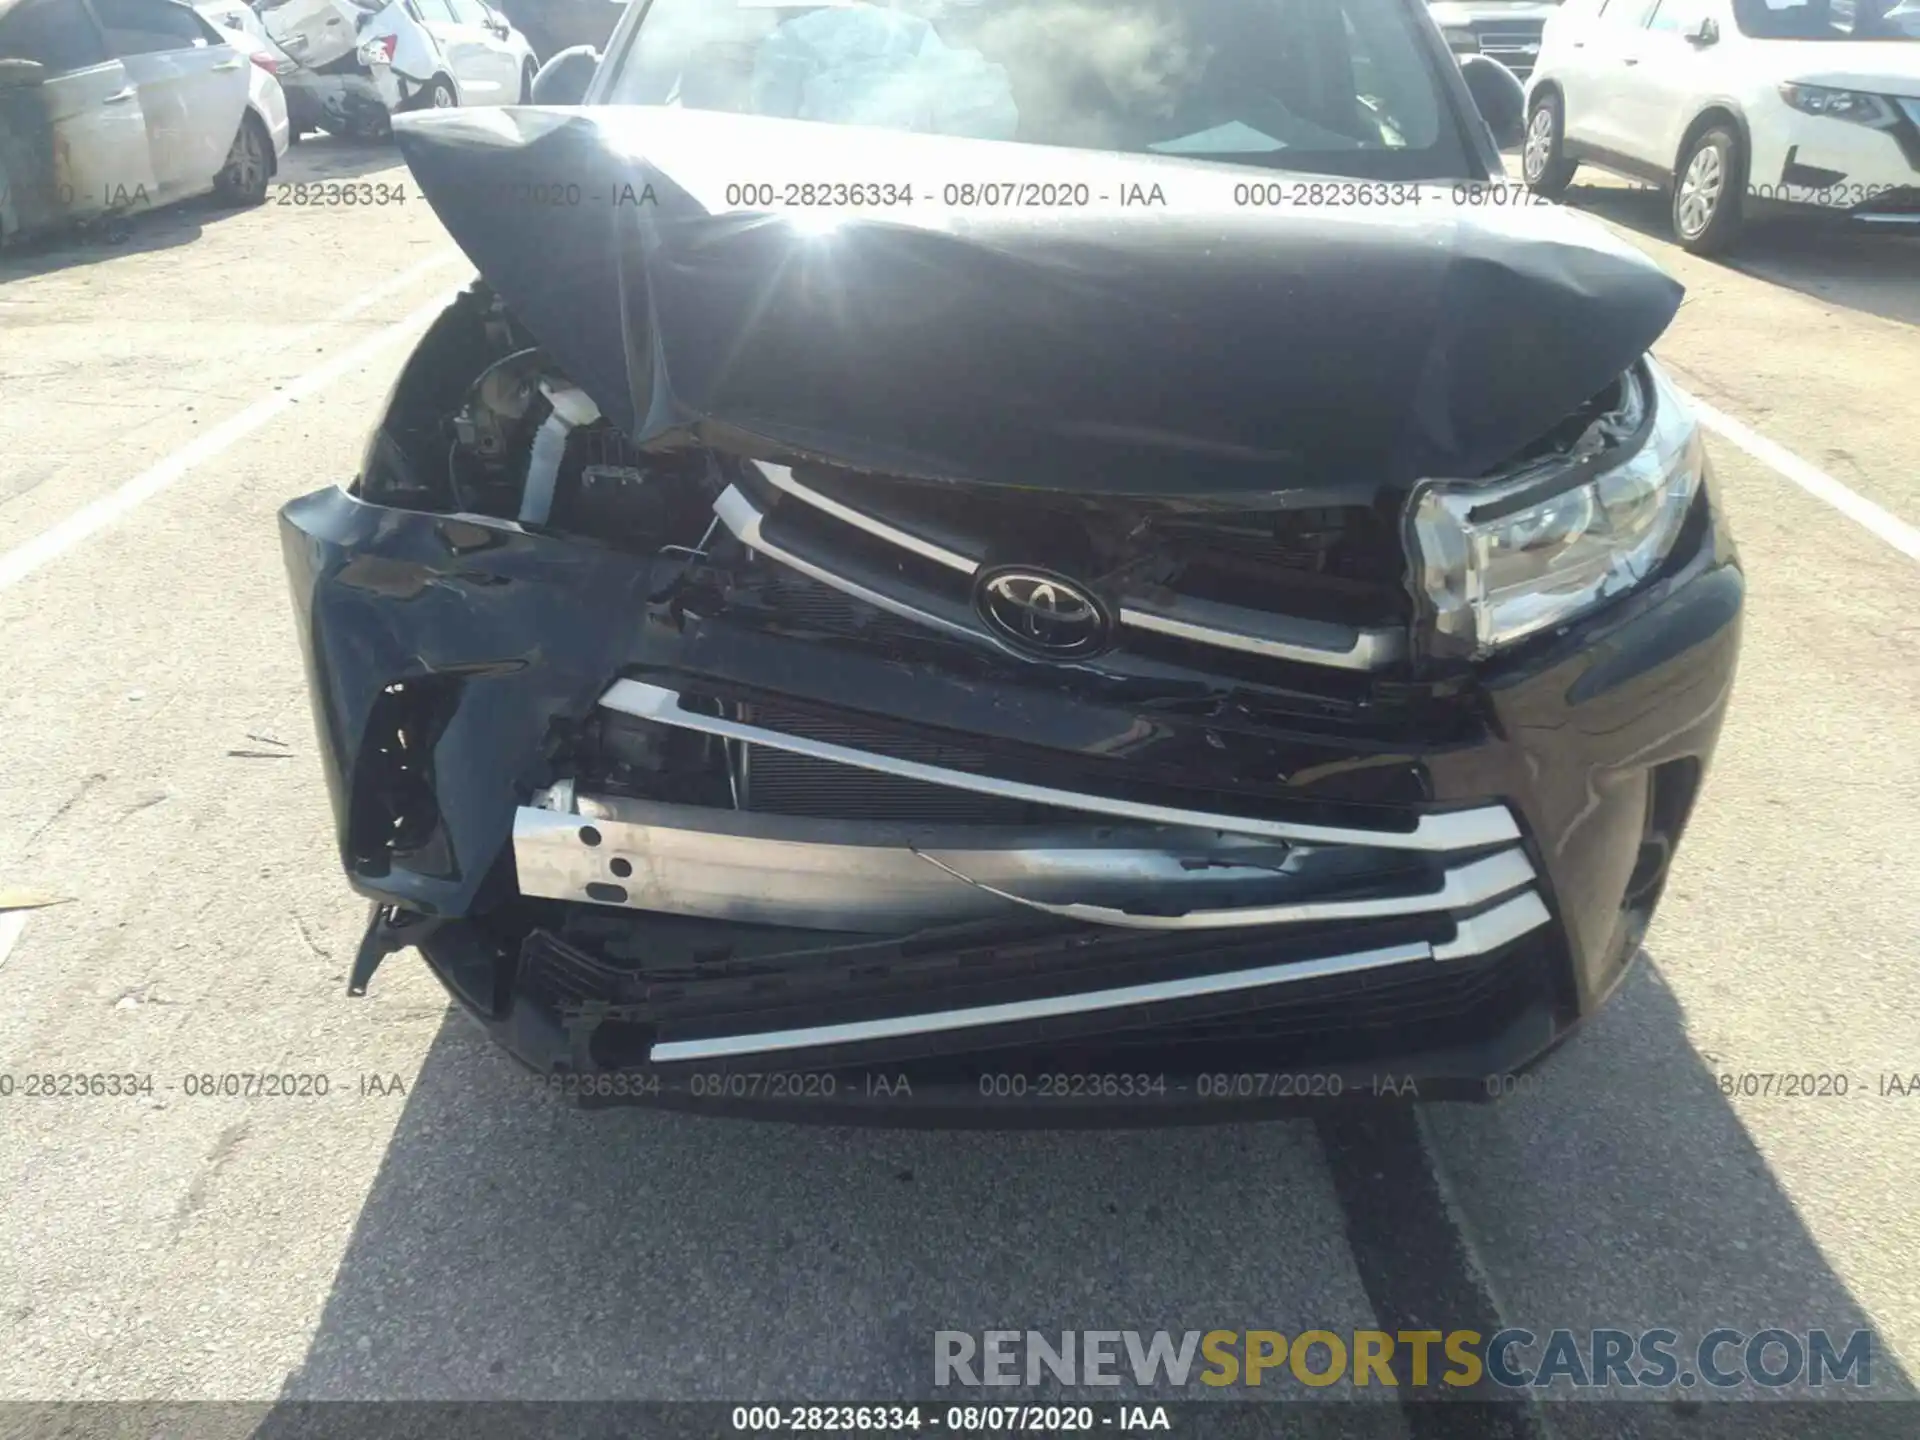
point(1496, 563)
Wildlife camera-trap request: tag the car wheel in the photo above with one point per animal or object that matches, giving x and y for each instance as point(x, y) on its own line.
point(1543, 160)
point(439, 95)
point(243, 181)
point(1708, 191)
point(526, 83)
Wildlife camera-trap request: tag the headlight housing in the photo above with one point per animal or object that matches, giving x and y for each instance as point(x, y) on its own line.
point(1461, 40)
point(1855, 105)
point(1497, 561)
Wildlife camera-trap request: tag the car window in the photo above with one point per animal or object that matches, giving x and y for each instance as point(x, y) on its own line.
point(1822, 20)
point(1336, 86)
point(57, 33)
point(435, 12)
point(1628, 14)
point(144, 27)
point(468, 12)
point(1672, 17)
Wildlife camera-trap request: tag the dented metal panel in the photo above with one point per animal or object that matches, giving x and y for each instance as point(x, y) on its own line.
point(1191, 349)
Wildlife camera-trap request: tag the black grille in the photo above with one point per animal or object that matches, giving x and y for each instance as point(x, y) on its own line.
point(1328, 1021)
point(782, 783)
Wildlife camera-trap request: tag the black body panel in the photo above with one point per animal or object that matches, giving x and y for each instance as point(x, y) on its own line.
point(1193, 348)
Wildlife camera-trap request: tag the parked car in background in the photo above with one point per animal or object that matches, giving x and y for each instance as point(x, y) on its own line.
point(267, 98)
point(1739, 106)
point(238, 16)
point(1503, 30)
point(555, 25)
point(363, 61)
point(111, 106)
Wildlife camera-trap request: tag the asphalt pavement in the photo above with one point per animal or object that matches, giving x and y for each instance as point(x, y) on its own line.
point(435, 1227)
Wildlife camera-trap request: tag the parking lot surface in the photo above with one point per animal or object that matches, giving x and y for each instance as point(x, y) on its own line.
point(434, 1226)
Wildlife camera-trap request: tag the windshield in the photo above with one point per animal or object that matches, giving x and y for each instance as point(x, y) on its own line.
point(1337, 86)
point(1825, 20)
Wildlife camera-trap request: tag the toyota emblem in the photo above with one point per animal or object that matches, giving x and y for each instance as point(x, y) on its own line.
point(1044, 614)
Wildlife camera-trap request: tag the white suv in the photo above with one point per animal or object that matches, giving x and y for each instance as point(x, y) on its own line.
point(1737, 105)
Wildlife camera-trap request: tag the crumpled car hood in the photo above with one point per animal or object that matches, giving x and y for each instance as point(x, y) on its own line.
point(1194, 348)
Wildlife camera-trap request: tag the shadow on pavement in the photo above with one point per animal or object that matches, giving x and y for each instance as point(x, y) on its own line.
point(511, 1247)
point(332, 157)
point(317, 158)
point(1623, 1191)
point(1875, 272)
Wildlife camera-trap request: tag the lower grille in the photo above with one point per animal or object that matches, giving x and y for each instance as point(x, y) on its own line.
point(1516, 47)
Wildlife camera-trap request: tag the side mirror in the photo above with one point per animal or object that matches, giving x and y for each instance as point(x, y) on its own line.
point(564, 79)
point(1499, 97)
point(1703, 32)
point(21, 74)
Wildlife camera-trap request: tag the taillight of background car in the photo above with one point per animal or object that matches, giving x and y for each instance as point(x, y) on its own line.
point(379, 51)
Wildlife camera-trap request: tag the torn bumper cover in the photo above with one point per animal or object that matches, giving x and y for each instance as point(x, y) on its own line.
point(674, 710)
point(1443, 904)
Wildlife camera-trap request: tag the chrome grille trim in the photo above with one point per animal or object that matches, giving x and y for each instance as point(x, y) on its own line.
point(739, 514)
point(1515, 918)
point(1454, 830)
point(782, 479)
point(1231, 628)
point(1226, 627)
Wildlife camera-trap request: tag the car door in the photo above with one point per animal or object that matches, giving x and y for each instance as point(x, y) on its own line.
point(1663, 92)
point(81, 136)
point(496, 68)
point(192, 84)
point(464, 53)
point(1609, 49)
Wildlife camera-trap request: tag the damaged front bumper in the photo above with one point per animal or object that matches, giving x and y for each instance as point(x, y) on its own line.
point(1197, 904)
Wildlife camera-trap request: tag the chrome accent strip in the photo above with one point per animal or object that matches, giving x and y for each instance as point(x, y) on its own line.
point(1226, 627)
point(1456, 830)
point(1493, 928)
point(781, 478)
point(1043, 1008)
point(744, 519)
point(1887, 219)
point(1471, 884)
point(1230, 627)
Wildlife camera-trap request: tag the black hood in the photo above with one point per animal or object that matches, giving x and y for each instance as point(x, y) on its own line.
point(1194, 347)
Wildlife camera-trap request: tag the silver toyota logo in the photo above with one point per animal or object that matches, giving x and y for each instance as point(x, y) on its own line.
point(1044, 614)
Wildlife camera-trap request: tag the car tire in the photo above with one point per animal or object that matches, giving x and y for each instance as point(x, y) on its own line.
point(526, 83)
point(1709, 189)
point(1543, 160)
point(243, 180)
point(438, 95)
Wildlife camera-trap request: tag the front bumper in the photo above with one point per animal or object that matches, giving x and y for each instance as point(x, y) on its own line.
point(1444, 899)
point(1841, 171)
point(356, 101)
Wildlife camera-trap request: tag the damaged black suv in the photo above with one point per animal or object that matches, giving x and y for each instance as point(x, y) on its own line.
point(1036, 550)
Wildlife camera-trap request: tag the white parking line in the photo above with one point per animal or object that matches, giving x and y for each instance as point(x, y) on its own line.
point(49, 545)
point(13, 924)
point(1856, 507)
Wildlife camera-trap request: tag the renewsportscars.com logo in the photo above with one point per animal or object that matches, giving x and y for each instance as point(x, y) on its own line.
point(1513, 1358)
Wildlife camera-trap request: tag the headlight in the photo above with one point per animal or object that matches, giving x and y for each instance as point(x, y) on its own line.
point(1495, 563)
point(1854, 105)
point(1460, 40)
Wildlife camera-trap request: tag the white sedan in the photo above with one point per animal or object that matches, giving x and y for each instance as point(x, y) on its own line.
point(358, 61)
point(1736, 105)
point(122, 105)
